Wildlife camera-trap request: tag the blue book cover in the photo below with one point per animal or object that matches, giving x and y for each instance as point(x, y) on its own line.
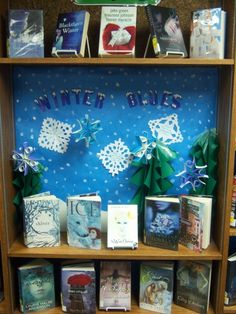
point(25, 34)
point(71, 34)
point(41, 221)
point(84, 221)
point(78, 288)
point(36, 286)
point(161, 222)
point(156, 286)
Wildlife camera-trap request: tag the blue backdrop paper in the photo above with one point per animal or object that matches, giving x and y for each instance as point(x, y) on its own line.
point(79, 170)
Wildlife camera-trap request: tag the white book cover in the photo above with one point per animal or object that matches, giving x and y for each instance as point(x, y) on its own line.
point(122, 226)
point(117, 31)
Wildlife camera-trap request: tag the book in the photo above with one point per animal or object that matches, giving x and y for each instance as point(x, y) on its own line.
point(36, 286)
point(122, 226)
point(156, 286)
point(25, 34)
point(193, 283)
point(84, 221)
point(71, 34)
point(230, 286)
point(115, 285)
point(78, 288)
point(41, 221)
point(195, 221)
point(233, 204)
point(207, 39)
point(161, 222)
point(117, 35)
point(165, 31)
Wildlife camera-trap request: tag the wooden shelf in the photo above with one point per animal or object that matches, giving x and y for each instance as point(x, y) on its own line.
point(116, 61)
point(230, 309)
point(3, 307)
point(232, 232)
point(144, 252)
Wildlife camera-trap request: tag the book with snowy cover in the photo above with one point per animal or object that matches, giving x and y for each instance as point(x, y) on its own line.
point(84, 221)
point(25, 37)
point(117, 31)
point(41, 220)
point(156, 286)
point(36, 286)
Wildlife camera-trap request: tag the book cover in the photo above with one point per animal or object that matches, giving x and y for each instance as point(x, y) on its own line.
point(115, 285)
point(230, 286)
point(41, 221)
point(117, 31)
point(84, 221)
point(25, 37)
point(161, 222)
point(122, 226)
point(166, 34)
point(36, 286)
point(207, 39)
point(193, 282)
point(156, 286)
point(78, 288)
point(71, 34)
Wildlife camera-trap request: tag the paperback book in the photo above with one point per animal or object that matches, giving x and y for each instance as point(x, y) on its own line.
point(25, 37)
point(230, 286)
point(41, 221)
point(71, 34)
point(117, 31)
point(84, 221)
point(115, 285)
point(165, 31)
point(161, 222)
point(156, 286)
point(36, 286)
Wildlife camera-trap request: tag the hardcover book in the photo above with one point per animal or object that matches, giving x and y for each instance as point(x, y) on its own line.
point(36, 286)
point(193, 282)
point(25, 37)
point(156, 286)
point(84, 221)
point(117, 31)
point(207, 39)
point(166, 35)
point(41, 221)
point(161, 222)
point(230, 286)
point(122, 226)
point(71, 34)
point(78, 290)
point(115, 285)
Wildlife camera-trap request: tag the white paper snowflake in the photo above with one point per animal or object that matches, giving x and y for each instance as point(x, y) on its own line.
point(55, 135)
point(166, 129)
point(115, 157)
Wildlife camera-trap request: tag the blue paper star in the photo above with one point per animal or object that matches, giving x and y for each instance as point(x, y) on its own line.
point(144, 151)
point(192, 174)
point(87, 130)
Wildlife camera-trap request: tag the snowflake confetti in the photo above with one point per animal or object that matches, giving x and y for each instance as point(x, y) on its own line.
point(115, 157)
point(166, 129)
point(55, 135)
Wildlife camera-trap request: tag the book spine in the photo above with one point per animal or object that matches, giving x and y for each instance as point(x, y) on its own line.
point(233, 204)
point(155, 43)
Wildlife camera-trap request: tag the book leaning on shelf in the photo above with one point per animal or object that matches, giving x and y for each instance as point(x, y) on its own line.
point(230, 286)
point(166, 35)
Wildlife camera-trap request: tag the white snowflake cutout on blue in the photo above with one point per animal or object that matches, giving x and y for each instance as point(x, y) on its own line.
point(166, 129)
point(144, 151)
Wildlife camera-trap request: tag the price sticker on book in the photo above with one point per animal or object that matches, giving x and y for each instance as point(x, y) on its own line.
point(116, 2)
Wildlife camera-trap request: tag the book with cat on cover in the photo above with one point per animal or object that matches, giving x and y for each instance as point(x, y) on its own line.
point(193, 283)
point(156, 286)
point(161, 222)
point(41, 221)
point(78, 288)
point(36, 286)
point(166, 35)
point(71, 34)
point(115, 285)
point(84, 221)
point(117, 31)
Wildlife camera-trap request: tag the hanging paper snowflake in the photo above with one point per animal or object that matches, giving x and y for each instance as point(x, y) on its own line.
point(87, 130)
point(24, 159)
point(192, 174)
point(115, 157)
point(166, 129)
point(144, 151)
point(55, 135)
